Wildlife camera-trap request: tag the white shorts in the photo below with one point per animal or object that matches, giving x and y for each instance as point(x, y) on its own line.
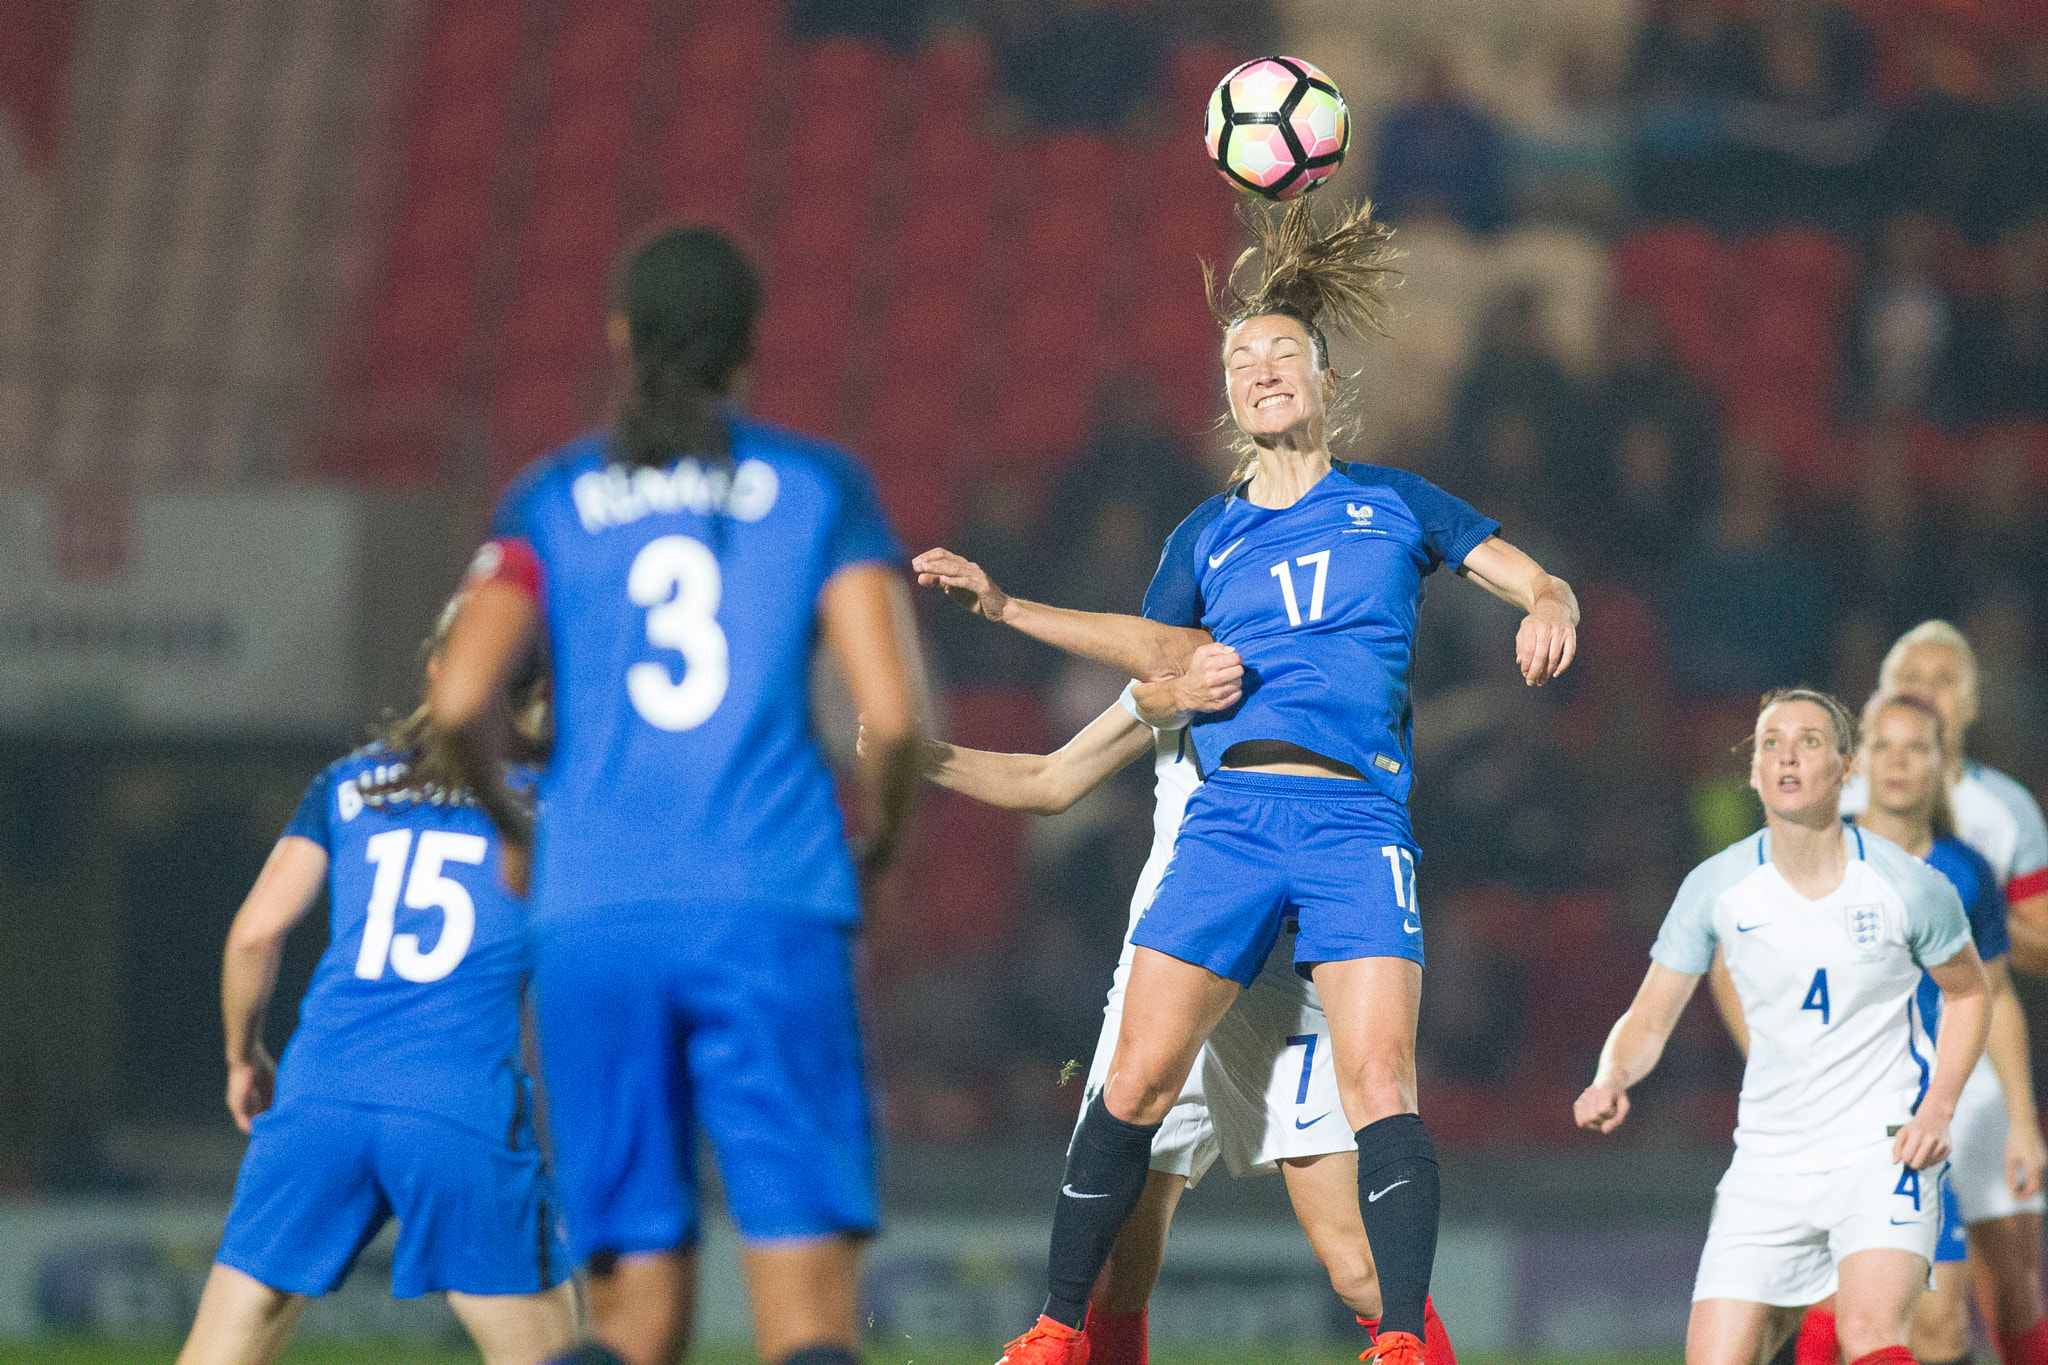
point(1776, 1238)
point(1262, 1090)
point(1977, 1165)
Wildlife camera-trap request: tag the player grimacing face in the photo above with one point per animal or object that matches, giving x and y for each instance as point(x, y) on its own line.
point(1275, 387)
point(1798, 769)
point(1902, 760)
point(1933, 671)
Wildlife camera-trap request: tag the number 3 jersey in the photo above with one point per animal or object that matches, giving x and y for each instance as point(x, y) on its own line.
point(1320, 599)
point(1838, 1055)
point(415, 1003)
point(681, 608)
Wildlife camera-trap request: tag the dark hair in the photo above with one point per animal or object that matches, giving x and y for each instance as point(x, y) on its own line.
point(432, 767)
point(690, 299)
point(1840, 718)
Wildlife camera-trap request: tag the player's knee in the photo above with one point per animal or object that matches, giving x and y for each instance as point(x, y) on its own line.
point(1140, 1094)
point(1864, 1328)
point(1380, 1085)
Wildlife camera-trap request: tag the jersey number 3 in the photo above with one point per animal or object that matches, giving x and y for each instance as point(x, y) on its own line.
point(426, 889)
point(678, 580)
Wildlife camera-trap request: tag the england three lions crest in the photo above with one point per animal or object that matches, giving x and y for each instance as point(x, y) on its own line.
point(1865, 925)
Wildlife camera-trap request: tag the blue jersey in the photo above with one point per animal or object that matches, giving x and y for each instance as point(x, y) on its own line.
point(415, 1003)
point(1978, 886)
point(1321, 599)
point(681, 607)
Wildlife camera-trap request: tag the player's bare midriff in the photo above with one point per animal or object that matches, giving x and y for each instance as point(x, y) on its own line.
point(1278, 756)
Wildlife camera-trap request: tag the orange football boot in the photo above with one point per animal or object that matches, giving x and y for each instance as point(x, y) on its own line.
point(1395, 1348)
point(1054, 1343)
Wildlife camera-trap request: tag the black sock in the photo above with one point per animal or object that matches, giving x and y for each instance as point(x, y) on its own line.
point(821, 1355)
point(1106, 1169)
point(1400, 1196)
point(589, 1353)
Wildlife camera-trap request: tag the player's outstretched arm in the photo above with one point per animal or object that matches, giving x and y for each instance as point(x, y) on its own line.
point(1965, 1019)
point(1634, 1046)
point(493, 627)
point(285, 890)
point(1146, 650)
point(865, 614)
point(1044, 783)
point(2026, 1154)
point(1549, 635)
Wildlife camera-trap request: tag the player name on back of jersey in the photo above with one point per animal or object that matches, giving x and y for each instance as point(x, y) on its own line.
point(350, 798)
point(616, 496)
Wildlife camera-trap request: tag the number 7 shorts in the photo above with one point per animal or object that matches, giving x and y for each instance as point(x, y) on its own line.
point(1777, 1237)
point(1258, 849)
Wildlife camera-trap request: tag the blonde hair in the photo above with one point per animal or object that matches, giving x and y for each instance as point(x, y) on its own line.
point(1943, 818)
point(1336, 275)
point(1936, 632)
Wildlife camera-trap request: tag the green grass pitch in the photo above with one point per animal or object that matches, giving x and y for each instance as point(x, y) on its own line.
point(358, 1353)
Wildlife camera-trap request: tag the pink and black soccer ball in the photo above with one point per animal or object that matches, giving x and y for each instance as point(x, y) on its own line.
point(1277, 127)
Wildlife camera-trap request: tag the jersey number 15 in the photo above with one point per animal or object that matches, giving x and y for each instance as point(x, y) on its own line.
point(427, 889)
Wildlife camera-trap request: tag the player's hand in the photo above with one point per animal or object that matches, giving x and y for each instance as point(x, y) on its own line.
point(1214, 680)
point(1923, 1140)
point(931, 752)
point(515, 867)
point(1545, 644)
point(1600, 1108)
point(964, 582)
point(2026, 1158)
point(250, 1087)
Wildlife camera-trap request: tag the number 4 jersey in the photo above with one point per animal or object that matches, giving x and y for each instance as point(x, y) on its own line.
point(681, 608)
point(415, 1003)
point(1838, 1055)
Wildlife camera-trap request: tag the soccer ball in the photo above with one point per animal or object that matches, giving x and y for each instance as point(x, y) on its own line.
point(1277, 127)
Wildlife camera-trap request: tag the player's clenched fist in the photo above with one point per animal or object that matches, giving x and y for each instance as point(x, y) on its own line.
point(1214, 680)
point(964, 581)
point(1545, 644)
point(1923, 1140)
point(1601, 1108)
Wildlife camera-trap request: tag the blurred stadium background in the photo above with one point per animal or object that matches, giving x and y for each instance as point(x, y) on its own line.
point(1735, 311)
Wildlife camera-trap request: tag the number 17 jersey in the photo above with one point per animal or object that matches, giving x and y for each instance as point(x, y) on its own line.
point(681, 608)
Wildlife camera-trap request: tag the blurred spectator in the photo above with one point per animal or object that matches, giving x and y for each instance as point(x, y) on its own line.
point(1905, 330)
point(1516, 441)
point(1129, 459)
point(1078, 64)
point(1747, 607)
point(1506, 800)
point(1805, 138)
point(2018, 190)
point(1569, 165)
point(996, 532)
point(1656, 463)
point(1887, 559)
point(1439, 155)
point(2003, 628)
point(2001, 368)
point(1472, 1014)
point(1690, 59)
point(899, 25)
point(1938, 154)
point(1996, 530)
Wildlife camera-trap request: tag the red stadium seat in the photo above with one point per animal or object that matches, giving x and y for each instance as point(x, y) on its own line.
point(922, 500)
point(1085, 169)
point(416, 332)
point(844, 73)
point(951, 77)
point(1192, 71)
point(818, 242)
point(597, 54)
point(707, 174)
point(553, 324)
point(456, 140)
point(926, 340)
point(944, 248)
point(1004, 720)
point(913, 425)
point(1676, 270)
point(471, 50)
point(1067, 243)
point(950, 161)
point(960, 902)
point(442, 231)
point(570, 236)
point(583, 152)
point(1803, 264)
point(535, 411)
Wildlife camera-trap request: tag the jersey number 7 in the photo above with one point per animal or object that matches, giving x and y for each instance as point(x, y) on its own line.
point(426, 889)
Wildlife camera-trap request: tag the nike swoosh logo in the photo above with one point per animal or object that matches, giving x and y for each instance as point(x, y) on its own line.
point(1216, 561)
point(1070, 1192)
point(1313, 1122)
point(1408, 928)
point(1374, 1197)
point(1745, 928)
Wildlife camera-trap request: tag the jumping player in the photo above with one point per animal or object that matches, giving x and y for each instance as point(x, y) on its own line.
point(1312, 569)
point(1263, 1091)
point(1997, 817)
point(1843, 1130)
point(694, 899)
point(1996, 1164)
point(402, 1093)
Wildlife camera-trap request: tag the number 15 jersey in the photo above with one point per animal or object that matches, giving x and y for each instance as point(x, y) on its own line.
point(681, 608)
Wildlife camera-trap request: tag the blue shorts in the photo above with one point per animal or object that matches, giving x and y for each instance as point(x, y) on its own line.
point(1954, 1243)
point(475, 1214)
point(660, 1018)
point(1258, 849)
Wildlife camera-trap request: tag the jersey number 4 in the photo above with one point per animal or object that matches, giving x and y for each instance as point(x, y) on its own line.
point(426, 889)
point(678, 581)
point(1817, 996)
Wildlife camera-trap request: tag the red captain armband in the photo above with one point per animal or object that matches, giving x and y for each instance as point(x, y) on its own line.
point(509, 560)
point(2027, 885)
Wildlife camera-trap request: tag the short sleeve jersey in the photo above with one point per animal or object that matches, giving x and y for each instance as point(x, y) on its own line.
point(1321, 600)
point(415, 1003)
point(1996, 816)
point(681, 608)
point(1982, 901)
point(1837, 1051)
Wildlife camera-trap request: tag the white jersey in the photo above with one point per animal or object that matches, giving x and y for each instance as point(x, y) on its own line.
point(1838, 1056)
point(1994, 815)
